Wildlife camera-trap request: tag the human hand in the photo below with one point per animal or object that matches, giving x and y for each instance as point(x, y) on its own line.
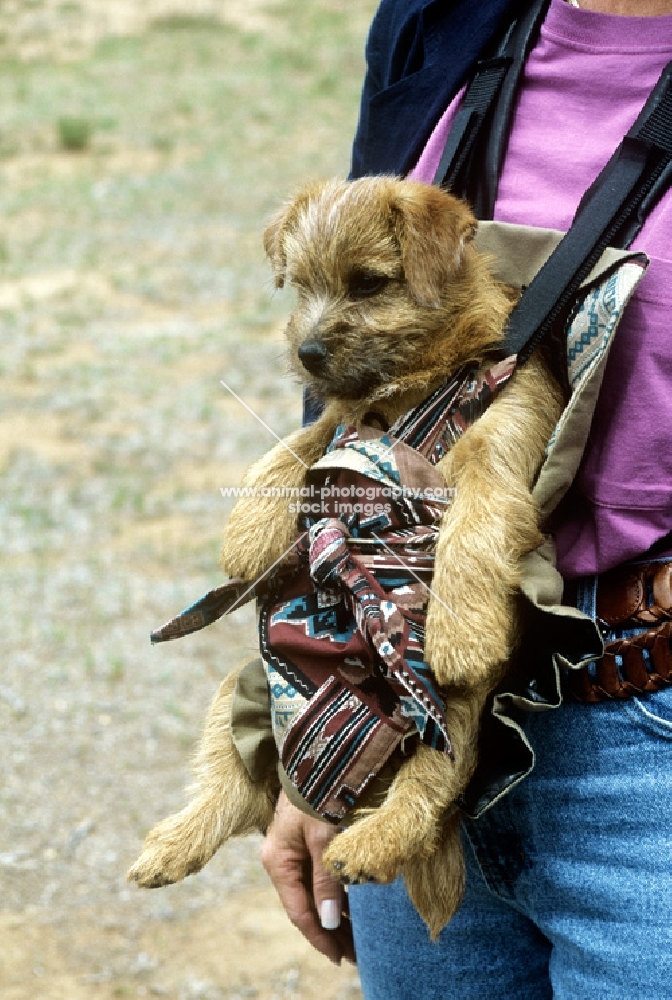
point(313, 901)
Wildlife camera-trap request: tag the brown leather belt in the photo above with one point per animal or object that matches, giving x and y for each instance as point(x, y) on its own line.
point(628, 597)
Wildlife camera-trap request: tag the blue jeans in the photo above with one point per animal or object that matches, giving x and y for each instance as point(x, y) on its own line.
point(569, 877)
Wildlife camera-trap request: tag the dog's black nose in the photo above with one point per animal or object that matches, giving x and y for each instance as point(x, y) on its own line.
point(312, 355)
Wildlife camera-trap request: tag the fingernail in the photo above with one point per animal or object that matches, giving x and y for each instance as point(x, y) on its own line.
point(330, 914)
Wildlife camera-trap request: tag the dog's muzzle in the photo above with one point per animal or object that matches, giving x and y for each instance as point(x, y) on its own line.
point(313, 356)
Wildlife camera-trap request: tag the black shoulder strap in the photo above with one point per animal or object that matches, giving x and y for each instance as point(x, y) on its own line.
point(611, 213)
point(472, 158)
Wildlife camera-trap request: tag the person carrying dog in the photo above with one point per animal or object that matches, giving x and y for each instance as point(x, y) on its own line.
point(569, 875)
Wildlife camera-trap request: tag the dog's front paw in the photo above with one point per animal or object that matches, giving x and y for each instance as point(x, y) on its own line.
point(178, 846)
point(465, 644)
point(373, 849)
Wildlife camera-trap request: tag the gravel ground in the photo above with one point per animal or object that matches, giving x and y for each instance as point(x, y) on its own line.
point(132, 283)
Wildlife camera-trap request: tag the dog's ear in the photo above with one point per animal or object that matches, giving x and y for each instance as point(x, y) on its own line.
point(277, 230)
point(274, 246)
point(432, 228)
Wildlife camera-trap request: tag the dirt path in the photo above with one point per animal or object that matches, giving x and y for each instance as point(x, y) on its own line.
point(132, 284)
point(239, 949)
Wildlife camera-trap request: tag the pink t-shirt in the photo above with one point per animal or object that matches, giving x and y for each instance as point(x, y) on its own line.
point(584, 84)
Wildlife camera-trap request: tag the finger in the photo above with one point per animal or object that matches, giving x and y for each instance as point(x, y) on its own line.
point(289, 863)
point(292, 880)
point(329, 895)
point(327, 891)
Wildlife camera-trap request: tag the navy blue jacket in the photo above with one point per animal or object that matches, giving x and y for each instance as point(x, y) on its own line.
point(419, 53)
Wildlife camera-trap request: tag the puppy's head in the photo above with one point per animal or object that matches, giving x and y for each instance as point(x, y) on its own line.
point(378, 265)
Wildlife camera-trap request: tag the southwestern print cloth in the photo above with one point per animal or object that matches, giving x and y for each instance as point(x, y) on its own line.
point(342, 617)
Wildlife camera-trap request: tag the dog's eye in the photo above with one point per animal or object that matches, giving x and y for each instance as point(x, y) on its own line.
point(362, 284)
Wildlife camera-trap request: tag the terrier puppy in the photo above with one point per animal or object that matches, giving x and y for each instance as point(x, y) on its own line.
point(393, 298)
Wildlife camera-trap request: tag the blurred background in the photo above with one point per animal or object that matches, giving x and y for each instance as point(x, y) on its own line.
point(142, 148)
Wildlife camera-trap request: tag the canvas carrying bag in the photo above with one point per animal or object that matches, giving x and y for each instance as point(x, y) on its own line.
point(557, 637)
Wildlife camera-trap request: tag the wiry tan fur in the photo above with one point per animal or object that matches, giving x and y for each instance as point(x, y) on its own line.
point(437, 306)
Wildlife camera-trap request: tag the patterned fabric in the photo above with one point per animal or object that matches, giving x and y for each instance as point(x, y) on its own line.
point(342, 617)
point(347, 631)
point(208, 609)
point(591, 331)
point(423, 427)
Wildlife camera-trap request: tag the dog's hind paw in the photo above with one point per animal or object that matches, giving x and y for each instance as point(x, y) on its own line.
point(172, 850)
point(151, 871)
point(369, 851)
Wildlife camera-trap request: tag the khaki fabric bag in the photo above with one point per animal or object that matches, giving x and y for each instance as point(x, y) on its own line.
point(557, 637)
